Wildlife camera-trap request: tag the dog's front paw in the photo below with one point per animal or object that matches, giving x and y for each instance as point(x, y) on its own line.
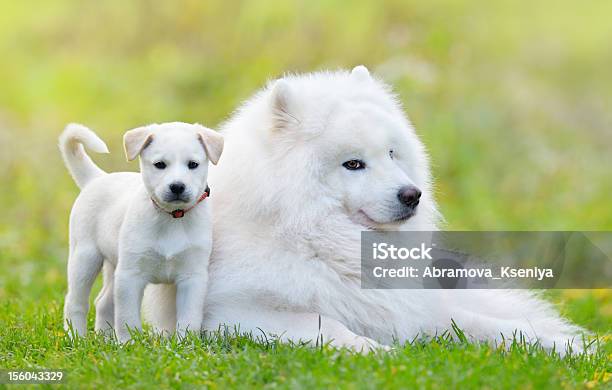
point(341, 337)
point(366, 345)
point(360, 344)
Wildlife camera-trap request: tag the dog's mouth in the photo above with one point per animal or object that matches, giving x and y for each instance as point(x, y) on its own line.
point(364, 219)
point(177, 199)
point(171, 203)
point(404, 216)
point(368, 222)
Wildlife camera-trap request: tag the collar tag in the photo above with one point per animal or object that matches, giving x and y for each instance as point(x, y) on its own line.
point(178, 213)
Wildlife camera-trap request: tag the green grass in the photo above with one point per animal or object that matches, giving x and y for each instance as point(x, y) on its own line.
point(230, 359)
point(510, 97)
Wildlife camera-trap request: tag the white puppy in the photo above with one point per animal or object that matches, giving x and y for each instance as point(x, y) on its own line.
point(143, 228)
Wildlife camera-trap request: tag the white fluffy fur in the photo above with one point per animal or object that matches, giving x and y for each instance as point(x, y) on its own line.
point(114, 224)
point(288, 221)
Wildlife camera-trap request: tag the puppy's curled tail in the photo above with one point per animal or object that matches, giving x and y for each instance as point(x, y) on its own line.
point(79, 164)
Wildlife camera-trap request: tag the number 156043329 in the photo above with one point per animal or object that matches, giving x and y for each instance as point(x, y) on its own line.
point(32, 376)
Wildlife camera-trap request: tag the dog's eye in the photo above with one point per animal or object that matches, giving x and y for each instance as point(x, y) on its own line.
point(353, 165)
point(192, 165)
point(160, 165)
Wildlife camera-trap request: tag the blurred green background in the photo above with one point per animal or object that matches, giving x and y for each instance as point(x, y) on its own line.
point(512, 98)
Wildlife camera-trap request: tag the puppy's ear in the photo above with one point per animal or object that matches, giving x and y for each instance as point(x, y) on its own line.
point(283, 105)
point(136, 140)
point(360, 73)
point(212, 143)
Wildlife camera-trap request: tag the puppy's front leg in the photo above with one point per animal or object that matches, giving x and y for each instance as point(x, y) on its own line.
point(129, 288)
point(190, 295)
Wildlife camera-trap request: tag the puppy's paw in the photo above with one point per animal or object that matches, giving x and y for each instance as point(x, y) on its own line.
point(124, 337)
point(75, 330)
point(183, 331)
point(106, 334)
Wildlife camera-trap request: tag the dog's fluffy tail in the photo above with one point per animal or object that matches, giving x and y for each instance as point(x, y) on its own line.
point(80, 165)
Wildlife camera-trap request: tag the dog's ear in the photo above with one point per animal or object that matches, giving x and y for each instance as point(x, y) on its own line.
point(212, 143)
point(136, 140)
point(283, 106)
point(360, 73)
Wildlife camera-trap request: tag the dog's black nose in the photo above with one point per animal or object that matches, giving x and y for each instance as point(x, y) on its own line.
point(409, 196)
point(177, 188)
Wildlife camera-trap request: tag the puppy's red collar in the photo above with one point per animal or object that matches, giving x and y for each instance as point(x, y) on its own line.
point(180, 213)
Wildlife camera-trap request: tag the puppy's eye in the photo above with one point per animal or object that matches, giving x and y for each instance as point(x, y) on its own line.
point(160, 165)
point(192, 165)
point(353, 165)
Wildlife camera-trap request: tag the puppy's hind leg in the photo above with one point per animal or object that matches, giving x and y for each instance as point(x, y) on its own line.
point(105, 305)
point(159, 307)
point(84, 264)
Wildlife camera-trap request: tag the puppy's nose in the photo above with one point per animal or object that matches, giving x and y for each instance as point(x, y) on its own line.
point(177, 188)
point(409, 196)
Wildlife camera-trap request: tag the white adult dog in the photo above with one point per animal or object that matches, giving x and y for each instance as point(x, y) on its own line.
point(143, 228)
point(310, 162)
